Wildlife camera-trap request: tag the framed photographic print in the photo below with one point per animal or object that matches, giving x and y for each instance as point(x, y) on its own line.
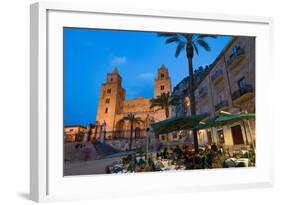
point(129, 102)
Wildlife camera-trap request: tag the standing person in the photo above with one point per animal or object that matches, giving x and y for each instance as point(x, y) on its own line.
point(214, 147)
point(87, 154)
point(208, 158)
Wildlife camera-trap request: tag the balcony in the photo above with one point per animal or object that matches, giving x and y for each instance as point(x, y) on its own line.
point(217, 76)
point(243, 94)
point(238, 54)
point(221, 105)
point(203, 91)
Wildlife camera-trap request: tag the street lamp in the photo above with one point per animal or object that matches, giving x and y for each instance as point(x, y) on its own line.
point(147, 142)
point(148, 124)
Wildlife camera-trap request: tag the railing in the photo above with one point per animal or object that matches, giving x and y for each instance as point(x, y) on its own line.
point(236, 54)
point(218, 73)
point(243, 90)
point(121, 134)
point(220, 105)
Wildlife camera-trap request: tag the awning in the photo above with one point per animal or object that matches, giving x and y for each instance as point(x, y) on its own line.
point(224, 119)
point(205, 125)
point(177, 123)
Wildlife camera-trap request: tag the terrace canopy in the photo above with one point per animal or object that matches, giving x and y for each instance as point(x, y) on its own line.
point(224, 119)
point(177, 123)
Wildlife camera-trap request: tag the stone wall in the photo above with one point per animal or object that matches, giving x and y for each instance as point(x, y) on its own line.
point(123, 144)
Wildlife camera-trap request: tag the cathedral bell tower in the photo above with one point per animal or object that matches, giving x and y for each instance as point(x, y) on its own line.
point(162, 84)
point(111, 98)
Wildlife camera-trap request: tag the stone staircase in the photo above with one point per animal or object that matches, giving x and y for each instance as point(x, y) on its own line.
point(103, 149)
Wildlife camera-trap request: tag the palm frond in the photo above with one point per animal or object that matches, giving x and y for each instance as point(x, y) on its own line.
point(158, 109)
point(157, 102)
point(203, 44)
point(125, 118)
point(201, 36)
point(138, 119)
point(166, 34)
point(180, 47)
point(172, 39)
point(120, 122)
point(195, 48)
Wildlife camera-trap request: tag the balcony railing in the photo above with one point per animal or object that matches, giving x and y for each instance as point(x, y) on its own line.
point(221, 104)
point(242, 91)
point(236, 56)
point(217, 76)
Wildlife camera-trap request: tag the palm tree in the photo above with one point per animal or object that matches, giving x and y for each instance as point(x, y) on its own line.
point(189, 42)
point(164, 101)
point(132, 119)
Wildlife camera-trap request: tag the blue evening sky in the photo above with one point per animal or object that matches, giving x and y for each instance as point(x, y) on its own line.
point(90, 54)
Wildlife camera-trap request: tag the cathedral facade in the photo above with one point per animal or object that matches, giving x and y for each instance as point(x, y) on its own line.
point(113, 105)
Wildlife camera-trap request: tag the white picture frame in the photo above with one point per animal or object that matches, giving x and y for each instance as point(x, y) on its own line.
point(46, 178)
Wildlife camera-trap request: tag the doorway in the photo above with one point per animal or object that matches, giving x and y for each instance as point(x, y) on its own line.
point(237, 135)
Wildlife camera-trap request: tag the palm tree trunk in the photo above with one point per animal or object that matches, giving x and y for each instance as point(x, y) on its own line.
point(189, 54)
point(135, 139)
point(131, 136)
point(167, 112)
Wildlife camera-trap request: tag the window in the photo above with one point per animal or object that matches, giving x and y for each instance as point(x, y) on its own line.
point(107, 100)
point(70, 130)
point(111, 79)
point(235, 50)
point(242, 83)
point(162, 75)
point(108, 91)
point(163, 137)
point(162, 87)
point(106, 110)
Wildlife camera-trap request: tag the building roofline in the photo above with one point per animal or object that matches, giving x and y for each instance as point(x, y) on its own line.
point(69, 126)
point(137, 98)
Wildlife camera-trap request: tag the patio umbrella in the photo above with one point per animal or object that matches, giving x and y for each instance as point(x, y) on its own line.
point(224, 119)
point(208, 124)
point(177, 123)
